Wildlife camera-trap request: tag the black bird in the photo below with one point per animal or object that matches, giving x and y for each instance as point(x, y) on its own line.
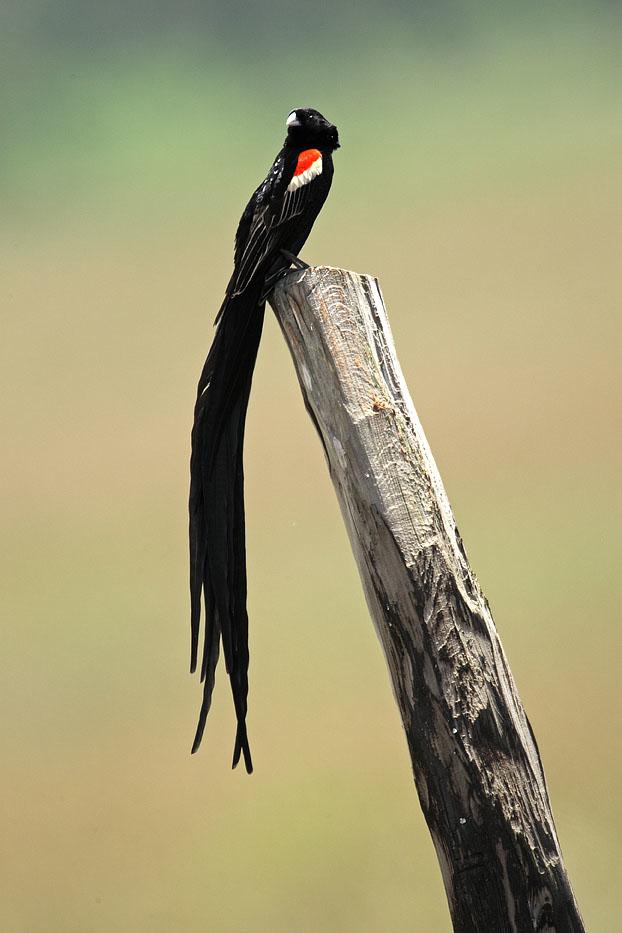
point(274, 226)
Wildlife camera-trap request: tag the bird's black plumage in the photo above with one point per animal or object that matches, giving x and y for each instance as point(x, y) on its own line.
point(279, 216)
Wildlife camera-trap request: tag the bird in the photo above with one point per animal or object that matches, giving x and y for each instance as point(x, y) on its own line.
point(272, 230)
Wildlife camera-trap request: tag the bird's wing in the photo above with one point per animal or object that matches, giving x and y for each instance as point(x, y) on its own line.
point(279, 199)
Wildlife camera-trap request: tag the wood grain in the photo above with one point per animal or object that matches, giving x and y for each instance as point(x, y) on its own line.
point(475, 760)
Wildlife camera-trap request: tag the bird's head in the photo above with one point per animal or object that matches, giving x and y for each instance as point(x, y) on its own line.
point(307, 129)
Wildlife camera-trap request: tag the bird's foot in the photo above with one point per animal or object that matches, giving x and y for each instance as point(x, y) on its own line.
point(295, 260)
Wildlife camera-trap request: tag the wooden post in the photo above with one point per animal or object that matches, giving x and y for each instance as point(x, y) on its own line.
point(475, 760)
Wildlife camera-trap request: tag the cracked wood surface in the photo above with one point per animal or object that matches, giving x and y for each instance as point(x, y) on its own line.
point(475, 760)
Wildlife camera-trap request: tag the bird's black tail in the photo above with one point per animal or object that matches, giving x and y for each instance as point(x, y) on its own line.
point(217, 539)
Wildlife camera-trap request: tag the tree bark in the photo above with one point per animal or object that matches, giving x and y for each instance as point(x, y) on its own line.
point(475, 760)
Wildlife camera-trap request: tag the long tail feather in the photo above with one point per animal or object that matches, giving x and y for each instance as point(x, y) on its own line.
point(217, 538)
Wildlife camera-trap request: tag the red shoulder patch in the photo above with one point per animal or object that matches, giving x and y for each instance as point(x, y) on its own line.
point(306, 158)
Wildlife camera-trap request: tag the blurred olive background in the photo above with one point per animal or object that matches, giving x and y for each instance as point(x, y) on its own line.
point(479, 179)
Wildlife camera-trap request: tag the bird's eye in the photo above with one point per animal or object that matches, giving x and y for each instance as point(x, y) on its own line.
point(292, 119)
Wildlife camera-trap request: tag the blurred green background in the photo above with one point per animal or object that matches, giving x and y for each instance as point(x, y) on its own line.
point(478, 178)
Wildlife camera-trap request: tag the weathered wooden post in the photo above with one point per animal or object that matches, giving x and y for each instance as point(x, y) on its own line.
point(475, 760)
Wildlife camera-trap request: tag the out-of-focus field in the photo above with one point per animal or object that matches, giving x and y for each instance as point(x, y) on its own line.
point(481, 183)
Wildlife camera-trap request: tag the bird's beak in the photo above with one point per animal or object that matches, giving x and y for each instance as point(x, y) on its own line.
point(292, 120)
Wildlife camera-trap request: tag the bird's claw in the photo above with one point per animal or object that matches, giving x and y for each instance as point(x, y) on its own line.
point(295, 260)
